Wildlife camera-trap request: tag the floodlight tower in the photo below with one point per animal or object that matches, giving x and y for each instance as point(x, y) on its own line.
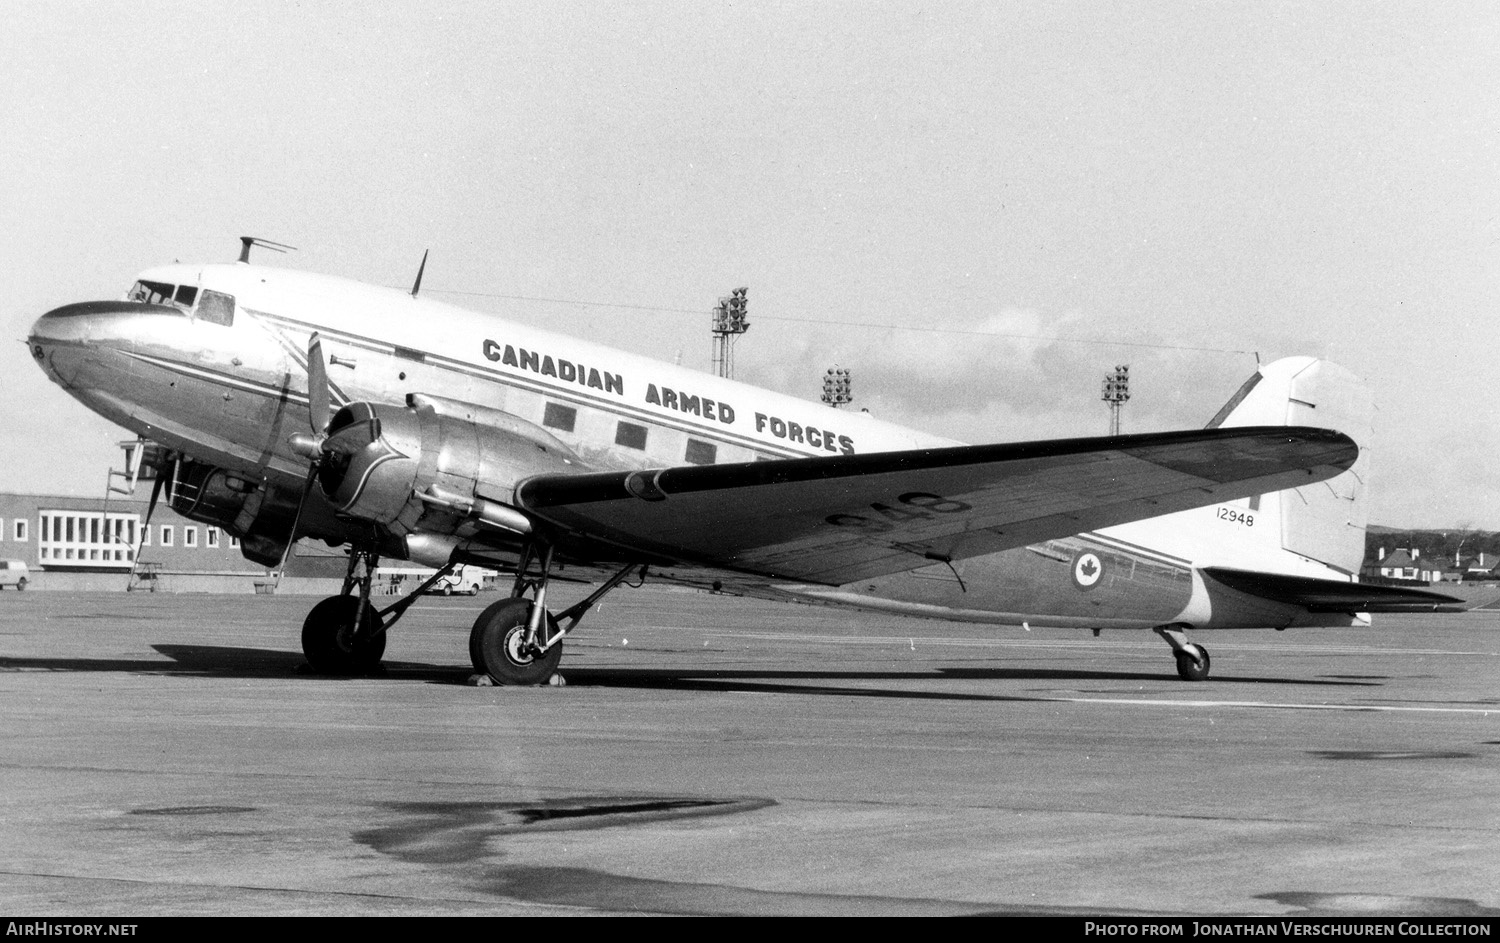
point(1116, 392)
point(729, 323)
point(838, 388)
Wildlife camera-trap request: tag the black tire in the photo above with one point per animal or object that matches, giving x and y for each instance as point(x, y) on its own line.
point(1193, 668)
point(494, 646)
point(447, 589)
point(473, 589)
point(326, 641)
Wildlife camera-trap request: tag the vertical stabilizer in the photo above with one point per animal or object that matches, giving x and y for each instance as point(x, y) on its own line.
point(1324, 521)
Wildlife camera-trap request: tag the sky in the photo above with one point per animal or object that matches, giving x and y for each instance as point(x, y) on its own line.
point(978, 208)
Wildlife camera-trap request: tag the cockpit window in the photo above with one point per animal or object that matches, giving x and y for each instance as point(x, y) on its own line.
point(216, 307)
point(156, 293)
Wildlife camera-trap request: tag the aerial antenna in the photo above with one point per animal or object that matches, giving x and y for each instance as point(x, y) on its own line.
point(416, 286)
point(247, 241)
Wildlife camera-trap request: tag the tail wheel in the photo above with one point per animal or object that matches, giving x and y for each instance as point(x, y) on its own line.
point(497, 645)
point(1191, 666)
point(329, 642)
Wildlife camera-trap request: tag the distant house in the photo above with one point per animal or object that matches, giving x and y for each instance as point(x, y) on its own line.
point(1405, 564)
point(1480, 566)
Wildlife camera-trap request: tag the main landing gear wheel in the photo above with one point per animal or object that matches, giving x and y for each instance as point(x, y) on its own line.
point(329, 643)
point(497, 645)
point(1191, 667)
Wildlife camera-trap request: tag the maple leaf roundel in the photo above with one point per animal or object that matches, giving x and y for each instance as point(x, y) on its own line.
point(1088, 570)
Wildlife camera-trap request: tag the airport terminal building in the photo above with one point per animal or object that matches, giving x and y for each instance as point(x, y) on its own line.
point(74, 543)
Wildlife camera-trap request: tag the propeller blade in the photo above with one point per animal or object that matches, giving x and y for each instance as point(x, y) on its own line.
point(317, 385)
point(156, 487)
point(291, 535)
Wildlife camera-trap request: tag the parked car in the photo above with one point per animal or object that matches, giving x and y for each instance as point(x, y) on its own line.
point(14, 573)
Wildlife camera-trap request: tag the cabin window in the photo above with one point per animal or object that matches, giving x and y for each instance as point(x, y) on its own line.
point(701, 453)
point(558, 416)
point(186, 295)
point(631, 436)
point(216, 307)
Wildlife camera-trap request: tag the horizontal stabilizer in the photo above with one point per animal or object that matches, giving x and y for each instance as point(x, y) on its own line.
point(849, 517)
point(1320, 595)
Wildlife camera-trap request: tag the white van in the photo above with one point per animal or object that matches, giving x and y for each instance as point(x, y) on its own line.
point(463, 579)
point(14, 573)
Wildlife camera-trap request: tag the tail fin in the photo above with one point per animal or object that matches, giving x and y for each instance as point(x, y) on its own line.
point(1324, 521)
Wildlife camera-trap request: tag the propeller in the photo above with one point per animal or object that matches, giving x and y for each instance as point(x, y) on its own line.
point(317, 385)
point(310, 446)
point(156, 486)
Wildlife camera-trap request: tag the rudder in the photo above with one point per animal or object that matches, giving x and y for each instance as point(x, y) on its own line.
point(1324, 521)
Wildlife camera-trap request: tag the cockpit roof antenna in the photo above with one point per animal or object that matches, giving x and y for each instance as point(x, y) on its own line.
point(417, 285)
point(247, 241)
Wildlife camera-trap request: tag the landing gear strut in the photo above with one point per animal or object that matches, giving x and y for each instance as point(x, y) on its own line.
point(1192, 658)
point(345, 634)
point(512, 643)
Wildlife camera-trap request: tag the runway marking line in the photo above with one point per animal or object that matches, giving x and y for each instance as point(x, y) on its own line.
point(1364, 708)
point(1069, 643)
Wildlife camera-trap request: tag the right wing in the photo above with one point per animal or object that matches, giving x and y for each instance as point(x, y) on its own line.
point(843, 518)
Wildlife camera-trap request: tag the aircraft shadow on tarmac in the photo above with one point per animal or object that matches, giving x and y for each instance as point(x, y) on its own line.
point(808, 682)
point(240, 662)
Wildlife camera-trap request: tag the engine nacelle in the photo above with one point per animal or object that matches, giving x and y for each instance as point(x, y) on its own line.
point(426, 469)
point(261, 518)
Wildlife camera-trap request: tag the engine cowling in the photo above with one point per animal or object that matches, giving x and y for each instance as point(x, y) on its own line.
point(416, 470)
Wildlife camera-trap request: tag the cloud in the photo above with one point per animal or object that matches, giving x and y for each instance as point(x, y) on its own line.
point(1015, 373)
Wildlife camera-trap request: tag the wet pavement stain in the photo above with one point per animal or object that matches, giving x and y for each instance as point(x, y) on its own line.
point(461, 835)
point(194, 810)
point(1369, 755)
point(450, 832)
point(1379, 905)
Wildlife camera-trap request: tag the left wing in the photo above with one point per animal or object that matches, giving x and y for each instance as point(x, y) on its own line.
point(843, 518)
point(1320, 595)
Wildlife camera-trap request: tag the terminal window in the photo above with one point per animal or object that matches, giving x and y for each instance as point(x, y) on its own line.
point(20, 529)
point(166, 535)
point(213, 538)
point(92, 538)
point(190, 536)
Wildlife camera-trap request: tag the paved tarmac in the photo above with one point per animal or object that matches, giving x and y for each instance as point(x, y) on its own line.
point(164, 755)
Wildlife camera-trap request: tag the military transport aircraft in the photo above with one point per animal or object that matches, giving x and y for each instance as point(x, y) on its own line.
point(283, 404)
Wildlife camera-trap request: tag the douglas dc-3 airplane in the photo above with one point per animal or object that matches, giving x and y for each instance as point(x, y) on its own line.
point(460, 438)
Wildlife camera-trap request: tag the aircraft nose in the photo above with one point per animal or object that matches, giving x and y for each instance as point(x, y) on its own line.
point(74, 321)
point(83, 323)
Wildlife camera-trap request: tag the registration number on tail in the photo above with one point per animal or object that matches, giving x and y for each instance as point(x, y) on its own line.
point(1236, 516)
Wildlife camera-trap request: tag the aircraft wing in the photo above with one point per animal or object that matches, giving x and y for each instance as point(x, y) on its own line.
point(844, 518)
point(1320, 595)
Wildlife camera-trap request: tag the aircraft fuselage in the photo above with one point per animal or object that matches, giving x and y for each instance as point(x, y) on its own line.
point(224, 378)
